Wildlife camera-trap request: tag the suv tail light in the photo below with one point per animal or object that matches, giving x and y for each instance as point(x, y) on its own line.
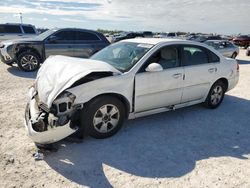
point(238, 67)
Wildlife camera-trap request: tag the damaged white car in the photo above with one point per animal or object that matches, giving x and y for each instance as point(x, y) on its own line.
point(128, 79)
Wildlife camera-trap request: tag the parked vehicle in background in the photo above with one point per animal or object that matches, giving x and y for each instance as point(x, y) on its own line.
point(14, 30)
point(242, 41)
point(147, 34)
point(203, 38)
point(128, 79)
point(248, 51)
point(127, 35)
point(167, 35)
point(30, 53)
point(227, 48)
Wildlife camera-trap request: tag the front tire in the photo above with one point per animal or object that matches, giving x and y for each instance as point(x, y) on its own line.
point(103, 117)
point(215, 95)
point(28, 61)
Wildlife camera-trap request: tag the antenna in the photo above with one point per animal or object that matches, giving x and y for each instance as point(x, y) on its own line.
point(21, 17)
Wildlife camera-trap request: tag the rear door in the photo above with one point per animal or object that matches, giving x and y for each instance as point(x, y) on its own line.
point(60, 43)
point(199, 72)
point(86, 44)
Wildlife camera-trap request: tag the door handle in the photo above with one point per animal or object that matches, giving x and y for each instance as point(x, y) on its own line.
point(177, 75)
point(211, 70)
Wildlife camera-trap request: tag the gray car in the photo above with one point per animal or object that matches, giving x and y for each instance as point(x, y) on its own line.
point(10, 31)
point(225, 47)
point(31, 52)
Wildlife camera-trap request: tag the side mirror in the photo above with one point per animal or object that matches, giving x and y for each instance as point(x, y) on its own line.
point(52, 38)
point(154, 67)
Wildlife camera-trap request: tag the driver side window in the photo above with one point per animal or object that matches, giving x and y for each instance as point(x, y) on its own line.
point(63, 37)
point(167, 57)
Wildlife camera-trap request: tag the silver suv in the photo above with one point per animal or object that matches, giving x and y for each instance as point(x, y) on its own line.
point(14, 30)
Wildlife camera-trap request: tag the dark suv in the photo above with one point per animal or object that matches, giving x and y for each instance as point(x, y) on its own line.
point(31, 52)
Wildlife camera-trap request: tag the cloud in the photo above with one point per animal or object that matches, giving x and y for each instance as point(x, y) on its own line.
point(72, 20)
point(161, 15)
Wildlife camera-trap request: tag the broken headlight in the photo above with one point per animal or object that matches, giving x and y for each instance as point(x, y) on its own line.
point(62, 105)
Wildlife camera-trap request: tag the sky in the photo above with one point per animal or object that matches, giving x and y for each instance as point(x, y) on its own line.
point(207, 16)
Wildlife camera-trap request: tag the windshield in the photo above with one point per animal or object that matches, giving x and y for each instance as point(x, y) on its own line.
point(45, 34)
point(123, 55)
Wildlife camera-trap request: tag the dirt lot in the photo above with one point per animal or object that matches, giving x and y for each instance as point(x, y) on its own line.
point(191, 147)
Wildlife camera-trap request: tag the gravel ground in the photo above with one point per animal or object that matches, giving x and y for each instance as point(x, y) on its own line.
point(190, 147)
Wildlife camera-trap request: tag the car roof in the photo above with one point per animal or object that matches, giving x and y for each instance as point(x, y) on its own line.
point(74, 28)
point(152, 41)
point(156, 41)
point(19, 24)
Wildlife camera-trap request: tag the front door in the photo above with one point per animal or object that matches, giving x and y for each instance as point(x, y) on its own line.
point(162, 88)
point(61, 43)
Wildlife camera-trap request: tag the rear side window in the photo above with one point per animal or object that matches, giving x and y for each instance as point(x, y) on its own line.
point(81, 35)
point(213, 58)
point(28, 30)
point(10, 29)
point(194, 55)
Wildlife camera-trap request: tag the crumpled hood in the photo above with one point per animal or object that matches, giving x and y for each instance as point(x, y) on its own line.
point(60, 72)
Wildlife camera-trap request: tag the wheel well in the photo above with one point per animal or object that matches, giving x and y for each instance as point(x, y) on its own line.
point(225, 81)
point(118, 96)
point(28, 50)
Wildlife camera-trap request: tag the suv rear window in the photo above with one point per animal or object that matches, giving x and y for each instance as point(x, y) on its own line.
point(10, 29)
point(28, 30)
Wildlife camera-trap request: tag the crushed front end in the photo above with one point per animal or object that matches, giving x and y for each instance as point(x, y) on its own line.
point(47, 125)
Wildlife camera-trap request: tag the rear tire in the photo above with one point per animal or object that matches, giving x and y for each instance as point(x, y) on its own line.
point(103, 117)
point(28, 61)
point(215, 95)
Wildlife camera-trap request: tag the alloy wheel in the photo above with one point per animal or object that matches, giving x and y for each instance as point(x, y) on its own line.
point(106, 118)
point(216, 95)
point(29, 62)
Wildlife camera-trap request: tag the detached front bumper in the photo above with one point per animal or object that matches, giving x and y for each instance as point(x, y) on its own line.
point(51, 134)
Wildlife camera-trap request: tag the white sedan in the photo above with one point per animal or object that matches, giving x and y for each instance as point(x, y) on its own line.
point(128, 79)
